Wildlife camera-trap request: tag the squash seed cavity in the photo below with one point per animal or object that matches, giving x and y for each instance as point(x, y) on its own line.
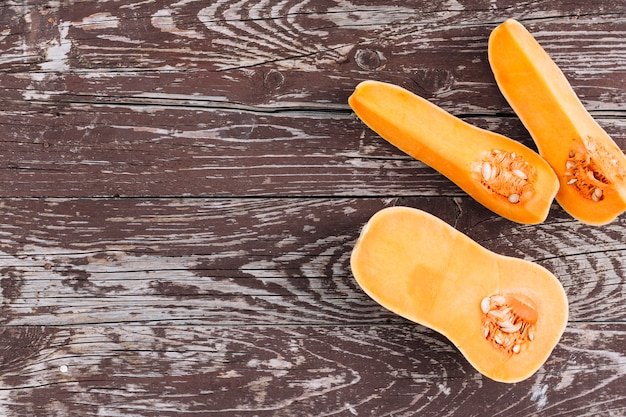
point(509, 321)
point(589, 175)
point(506, 174)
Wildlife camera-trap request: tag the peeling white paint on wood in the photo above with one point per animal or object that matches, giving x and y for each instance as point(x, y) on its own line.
point(57, 52)
point(164, 21)
point(98, 21)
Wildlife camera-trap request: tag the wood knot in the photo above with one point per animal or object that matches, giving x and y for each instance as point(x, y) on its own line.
point(273, 79)
point(369, 59)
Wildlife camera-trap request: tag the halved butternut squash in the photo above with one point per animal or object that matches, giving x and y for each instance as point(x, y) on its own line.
point(502, 174)
point(504, 314)
point(591, 168)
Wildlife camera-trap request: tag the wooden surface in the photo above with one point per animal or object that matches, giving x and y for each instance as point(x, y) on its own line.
point(182, 182)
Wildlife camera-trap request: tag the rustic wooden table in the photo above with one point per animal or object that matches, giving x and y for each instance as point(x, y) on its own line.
point(182, 183)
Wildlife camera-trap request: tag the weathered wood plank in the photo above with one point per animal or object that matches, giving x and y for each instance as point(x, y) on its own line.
point(377, 370)
point(104, 151)
point(161, 98)
point(253, 261)
point(129, 150)
point(160, 35)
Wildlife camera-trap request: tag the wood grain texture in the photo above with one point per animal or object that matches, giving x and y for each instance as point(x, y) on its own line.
point(295, 370)
point(199, 100)
point(182, 182)
point(156, 307)
point(252, 261)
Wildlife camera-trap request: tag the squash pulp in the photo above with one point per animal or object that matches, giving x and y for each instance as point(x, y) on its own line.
point(502, 174)
point(591, 168)
point(504, 314)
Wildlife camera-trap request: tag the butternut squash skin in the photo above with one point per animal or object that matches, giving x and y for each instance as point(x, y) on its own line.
point(591, 168)
point(420, 268)
point(458, 150)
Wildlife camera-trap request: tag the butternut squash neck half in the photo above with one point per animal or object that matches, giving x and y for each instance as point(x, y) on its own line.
point(502, 174)
point(505, 315)
point(591, 168)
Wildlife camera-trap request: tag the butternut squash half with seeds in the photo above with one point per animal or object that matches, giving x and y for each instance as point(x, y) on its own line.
point(502, 174)
point(504, 314)
point(591, 168)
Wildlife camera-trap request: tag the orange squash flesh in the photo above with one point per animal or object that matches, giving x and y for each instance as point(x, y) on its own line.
point(420, 268)
point(590, 166)
point(505, 176)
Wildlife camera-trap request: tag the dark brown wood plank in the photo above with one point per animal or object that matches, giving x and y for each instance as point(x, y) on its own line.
point(120, 150)
point(247, 307)
point(253, 261)
point(294, 370)
point(107, 151)
point(150, 98)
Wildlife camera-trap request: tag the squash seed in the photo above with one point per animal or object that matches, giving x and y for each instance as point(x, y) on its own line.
point(520, 174)
point(485, 305)
point(510, 327)
point(597, 194)
point(486, 171)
